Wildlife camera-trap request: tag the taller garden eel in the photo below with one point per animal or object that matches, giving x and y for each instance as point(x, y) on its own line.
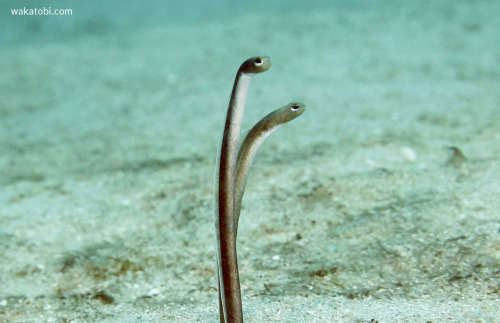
point(232, 169)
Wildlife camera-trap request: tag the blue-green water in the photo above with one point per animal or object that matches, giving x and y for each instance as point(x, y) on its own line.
point(96, 17)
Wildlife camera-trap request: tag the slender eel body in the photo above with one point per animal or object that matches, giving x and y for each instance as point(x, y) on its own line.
point(225, 222)
point(254, 140)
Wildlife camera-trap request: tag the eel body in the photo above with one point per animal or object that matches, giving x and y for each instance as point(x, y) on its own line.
point(225, 224)
point(254, 139)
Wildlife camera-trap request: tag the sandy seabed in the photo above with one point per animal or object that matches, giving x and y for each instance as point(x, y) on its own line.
point(379, 204)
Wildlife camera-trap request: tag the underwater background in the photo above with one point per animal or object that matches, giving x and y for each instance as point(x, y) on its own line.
point(379, 204)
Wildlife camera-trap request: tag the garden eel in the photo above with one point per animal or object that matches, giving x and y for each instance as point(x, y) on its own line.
point(224, 206)
point(254, 139)
point(231, 175)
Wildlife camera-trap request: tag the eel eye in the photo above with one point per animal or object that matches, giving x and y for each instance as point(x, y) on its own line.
point(258, 61)
point(294, 107)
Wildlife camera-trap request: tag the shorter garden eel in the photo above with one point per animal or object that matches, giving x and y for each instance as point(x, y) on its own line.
point(254, 139)
point(230, 178)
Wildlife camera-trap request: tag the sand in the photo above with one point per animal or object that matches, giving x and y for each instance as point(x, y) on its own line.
point(379, 204)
